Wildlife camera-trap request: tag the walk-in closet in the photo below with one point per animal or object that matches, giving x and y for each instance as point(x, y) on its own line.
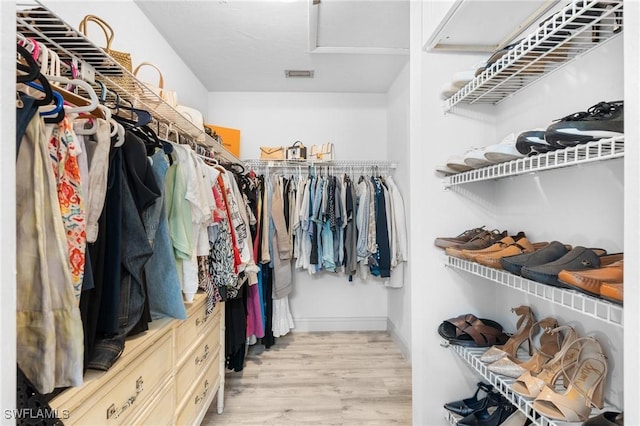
point(346, 212)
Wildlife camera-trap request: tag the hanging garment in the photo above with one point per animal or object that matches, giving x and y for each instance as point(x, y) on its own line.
point(97, 149)
point(400, 246)
point(205, 279)
point(50, 348)
point(255, 325)
point(24, 113)
point(222, 255)
point(350, 230)
point(99, 305)
point(139, 192)
point(282, 319)
point(199, 214)
point(63, 153)
point(381, 265)
point(267, 287)
point(179, 214)
point(362, 220)
point(280, 250)
point(165, 292)
point(236, 330)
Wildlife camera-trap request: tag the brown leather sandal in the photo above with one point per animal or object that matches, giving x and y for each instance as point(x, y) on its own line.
point(468, 330)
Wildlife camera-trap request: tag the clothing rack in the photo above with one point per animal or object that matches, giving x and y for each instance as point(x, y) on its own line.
point(350, 167)
point(38, 22)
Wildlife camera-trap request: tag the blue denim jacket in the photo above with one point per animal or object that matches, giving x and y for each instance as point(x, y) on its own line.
point(165, 293)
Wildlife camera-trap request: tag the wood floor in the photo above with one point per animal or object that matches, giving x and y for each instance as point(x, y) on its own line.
point(336, 378)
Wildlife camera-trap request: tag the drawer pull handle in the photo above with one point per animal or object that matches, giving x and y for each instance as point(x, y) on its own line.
point(205, 355)
point(113, 412)
point(199, 321)
point(203, 395)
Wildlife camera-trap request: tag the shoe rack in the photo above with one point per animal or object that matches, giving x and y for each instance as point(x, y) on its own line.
point(577, 35)
point(576, 29)
point(594, 307)
point(604, 149)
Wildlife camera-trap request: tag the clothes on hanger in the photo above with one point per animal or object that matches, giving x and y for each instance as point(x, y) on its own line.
point(119, 227)
point(328, 223)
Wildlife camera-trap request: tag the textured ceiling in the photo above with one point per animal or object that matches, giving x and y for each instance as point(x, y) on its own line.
point(238, 45)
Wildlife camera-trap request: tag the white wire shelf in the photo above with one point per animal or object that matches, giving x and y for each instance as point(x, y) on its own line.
point(594, 307)
point(604, 149)
point(36, 21)
point(503, 384)
point(574, 30)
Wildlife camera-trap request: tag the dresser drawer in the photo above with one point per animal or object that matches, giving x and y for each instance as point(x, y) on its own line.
point(201, 395)
point(132, 387)
point(189, 331)
point(161, 410)
point(199, 359)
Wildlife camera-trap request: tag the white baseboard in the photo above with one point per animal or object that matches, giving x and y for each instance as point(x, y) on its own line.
point(397, 338)
point(340, 324)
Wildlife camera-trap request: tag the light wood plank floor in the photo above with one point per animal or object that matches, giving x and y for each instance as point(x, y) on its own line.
point(323, 378)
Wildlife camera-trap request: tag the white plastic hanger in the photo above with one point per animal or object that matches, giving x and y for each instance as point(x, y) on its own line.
point(120, 135)
point(94, 128)
point(93, 97)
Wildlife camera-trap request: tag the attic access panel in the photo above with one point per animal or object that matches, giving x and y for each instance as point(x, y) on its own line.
point(485, 25)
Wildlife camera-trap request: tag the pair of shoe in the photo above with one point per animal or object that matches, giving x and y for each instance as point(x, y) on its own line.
point(548, 346)
point(544, 265)
point(495, 241)
point(462, 238)
point(479, 239)
point(605, 282)
point(600, 121)
point(471, 331)
point(513, 146)
point(490, 256)
point(491, 410)
point(580, 362)
point(504, 359)
point(583, 366)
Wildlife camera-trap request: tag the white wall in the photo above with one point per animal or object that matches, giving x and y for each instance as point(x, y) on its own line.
point(135, 34)
point(7, 213)
point(398, 151)
point(357, 125)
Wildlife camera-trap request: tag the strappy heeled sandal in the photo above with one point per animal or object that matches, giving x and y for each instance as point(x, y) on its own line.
point(549, 346)
point(585, 387)
point(562, 364)
point(522, 334)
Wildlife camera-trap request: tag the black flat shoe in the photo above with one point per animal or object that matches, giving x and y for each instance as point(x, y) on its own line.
point(466, 406)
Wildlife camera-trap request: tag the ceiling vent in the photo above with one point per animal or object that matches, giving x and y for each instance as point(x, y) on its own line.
point(298, 73)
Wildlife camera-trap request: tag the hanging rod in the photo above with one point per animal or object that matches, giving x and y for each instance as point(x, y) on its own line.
point(332, 164)
point(336, 166)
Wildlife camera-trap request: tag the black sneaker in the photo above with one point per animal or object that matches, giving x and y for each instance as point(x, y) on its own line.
point(532, 142)
point(603, 120)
